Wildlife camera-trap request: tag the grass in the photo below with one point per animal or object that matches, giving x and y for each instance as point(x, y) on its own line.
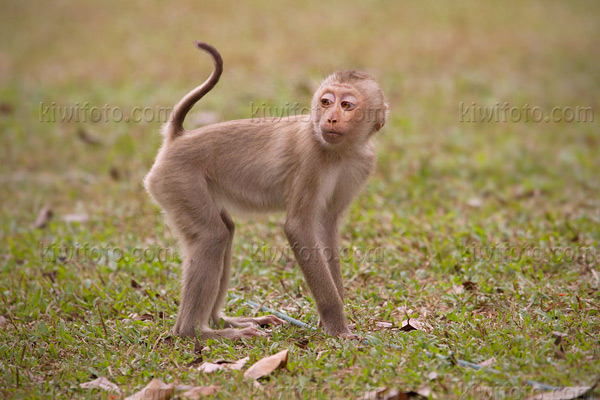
point(486, 234)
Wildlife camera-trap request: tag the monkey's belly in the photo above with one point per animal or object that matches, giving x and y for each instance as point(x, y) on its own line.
point(249, 201)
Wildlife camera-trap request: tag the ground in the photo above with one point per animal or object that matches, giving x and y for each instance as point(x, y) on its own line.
point(481, 223)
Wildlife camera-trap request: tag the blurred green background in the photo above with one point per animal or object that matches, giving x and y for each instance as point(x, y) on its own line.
point(444, 187)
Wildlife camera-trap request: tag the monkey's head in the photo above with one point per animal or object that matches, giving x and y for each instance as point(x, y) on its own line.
point(347, 108)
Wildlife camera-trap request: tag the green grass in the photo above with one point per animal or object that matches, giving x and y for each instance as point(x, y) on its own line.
point(445, 194)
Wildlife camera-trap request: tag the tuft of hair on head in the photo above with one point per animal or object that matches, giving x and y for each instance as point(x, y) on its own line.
point(349, 77)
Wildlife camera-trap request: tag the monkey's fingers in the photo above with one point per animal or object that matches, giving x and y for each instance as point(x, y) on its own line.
point(268, 320)
point(251, 332)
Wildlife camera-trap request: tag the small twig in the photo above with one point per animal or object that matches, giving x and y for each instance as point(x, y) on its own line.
point(23, 353)
point(102, 321)
point(158, 340)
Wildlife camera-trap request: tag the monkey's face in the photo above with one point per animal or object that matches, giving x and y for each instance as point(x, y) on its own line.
point(336, 113)
point(345, 113)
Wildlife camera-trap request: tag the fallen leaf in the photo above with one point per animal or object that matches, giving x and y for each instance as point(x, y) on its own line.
point(374, 394)
point(267, 365)
point(209, 367)
point(114, 173)
point(200, 391)
point(566, 393)
point(426, 392)
point(144, 317)
point(384, 324)
point(155, 390)
point(81, 218)
point(407, 327)
point(302, 343)
point(470, 286)
point(43, 217)
point(394, 394)
point(3, 321)
point(6, 108)
point(432, 375)
point(456, 290)
point(135, 285)
point(321, 353)
point(474, 202)
point(100, 383)
point(558, 337)
point(487, 362)
point(87, 138)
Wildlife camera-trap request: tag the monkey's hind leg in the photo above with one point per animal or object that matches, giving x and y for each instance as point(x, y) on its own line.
point(217, 314)
point(205, 239)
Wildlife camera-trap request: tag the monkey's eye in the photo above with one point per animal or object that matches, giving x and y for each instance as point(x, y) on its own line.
point(327, 99)
point(346, 105)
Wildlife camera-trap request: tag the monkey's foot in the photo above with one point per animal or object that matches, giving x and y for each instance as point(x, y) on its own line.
point(229, 333)
point(349, 335)
point(246, 322)
point(245, 333)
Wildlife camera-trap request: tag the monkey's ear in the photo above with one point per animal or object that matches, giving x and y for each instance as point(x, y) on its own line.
point(382, 117)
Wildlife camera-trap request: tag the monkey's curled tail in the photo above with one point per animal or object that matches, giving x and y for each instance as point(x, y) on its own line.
point(174, 127)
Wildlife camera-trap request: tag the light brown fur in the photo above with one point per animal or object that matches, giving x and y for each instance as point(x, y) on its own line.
point(290, 164)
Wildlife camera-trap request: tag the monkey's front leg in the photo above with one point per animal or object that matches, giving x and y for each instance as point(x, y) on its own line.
point(301, 233)
point(331, 250)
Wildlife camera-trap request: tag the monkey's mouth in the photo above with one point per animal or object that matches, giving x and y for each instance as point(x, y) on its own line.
point(332, 136)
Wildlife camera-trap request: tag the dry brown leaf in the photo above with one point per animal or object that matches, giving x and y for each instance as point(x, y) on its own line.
point(384, 324)
point(87, 138)
point(209, 367)
point(456, 290)
point(376, 394)
point(470, 286)
point(487, 362)
point(426, 392)
point(155, 390)
point(321, 353)
point(200, 391)
point(144, 317)
point(432, 375)
point(407, 326)
point(135, 284)
point(6, 108)
point(394, 394)
point(3, 321)
point(267, 365)
point(101, 383)
point(566, 393)
point(43, 217)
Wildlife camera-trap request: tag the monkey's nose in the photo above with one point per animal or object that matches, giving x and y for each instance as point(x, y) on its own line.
point(332, 120)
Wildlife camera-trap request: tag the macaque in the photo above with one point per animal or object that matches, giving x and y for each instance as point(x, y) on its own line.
point(310, 166)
